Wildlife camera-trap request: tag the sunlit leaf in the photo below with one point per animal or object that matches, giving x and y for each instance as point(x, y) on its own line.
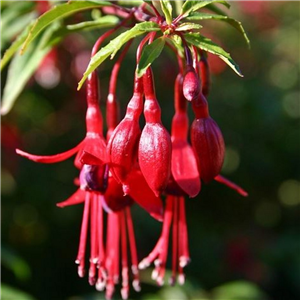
point(188, 26)
point(112, 48)
point(102, 22)
point(196, 16)
point(15, 46)
point(209, 46)
point(167, 10)
point(58, 12)
point(149, 54)
point(193, 5)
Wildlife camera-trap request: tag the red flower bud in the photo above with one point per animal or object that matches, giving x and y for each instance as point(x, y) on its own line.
point(191, 84)
point(123, 143)
point(155, 142)
point(209, 147)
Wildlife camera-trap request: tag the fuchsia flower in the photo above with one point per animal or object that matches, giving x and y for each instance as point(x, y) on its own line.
point(141, 166)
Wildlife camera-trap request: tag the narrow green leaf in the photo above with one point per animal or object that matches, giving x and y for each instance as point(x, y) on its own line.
point(196, 16)
point(130, 2)
point(11, 30)
point(102, 22)
point(166, 7)
point(178, 6)
point(22, 68)
point(209, 46)
point(15, 46)
point(193, 5)
point(58, 12)
point(114, 45)
point(149, 54)
point(188, 26)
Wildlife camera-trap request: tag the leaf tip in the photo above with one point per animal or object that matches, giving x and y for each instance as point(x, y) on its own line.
point(4, 110)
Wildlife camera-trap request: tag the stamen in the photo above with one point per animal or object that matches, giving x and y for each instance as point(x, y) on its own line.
point(125, 287)
point(94, 240)
point(165, 235)
point(133, 252)
point(101, 254)
point(83, 236)
point(175, 241)
point(184, 256)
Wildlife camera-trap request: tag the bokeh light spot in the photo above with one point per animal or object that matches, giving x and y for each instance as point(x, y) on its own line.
point(291, 104)
point(232, 160)
point(283, 75)
point(289, 192)
point(8, 183)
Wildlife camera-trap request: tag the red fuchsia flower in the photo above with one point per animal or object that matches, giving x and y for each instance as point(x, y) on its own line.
point(93, 145)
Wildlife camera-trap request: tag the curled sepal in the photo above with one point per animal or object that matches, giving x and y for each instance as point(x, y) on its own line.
point(191, 84)
point(76, 198)
point(137, 188)
point(50, 159)
point(114, 198)
point(184, 168)
point(155, 147)
point(93, 145)
point(208, 145)
point(122, 146)
point(184, 164)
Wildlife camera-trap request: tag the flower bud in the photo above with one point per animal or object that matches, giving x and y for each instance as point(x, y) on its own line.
point(155, 156)
point(155, 143)
point(123, 143)
point(208, 145)
point(191, 84)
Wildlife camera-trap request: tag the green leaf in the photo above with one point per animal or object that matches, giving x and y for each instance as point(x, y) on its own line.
point(209, 46)
point(15, 46)
point(166, 7)
point(114, 45)
point(15, 263)
point(193, 5)
point(236, 290)
point(196, 16)
point(58, 12)
point(102, 22)
point(10, 293)
point(178, 6)
point(22, 68)
point(149, 54)
point(13, 29)
point(188, 26)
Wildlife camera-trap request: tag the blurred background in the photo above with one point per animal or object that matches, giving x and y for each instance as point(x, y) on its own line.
point(241, 248)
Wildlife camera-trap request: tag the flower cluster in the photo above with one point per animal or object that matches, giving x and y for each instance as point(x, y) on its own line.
point(149, 166)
